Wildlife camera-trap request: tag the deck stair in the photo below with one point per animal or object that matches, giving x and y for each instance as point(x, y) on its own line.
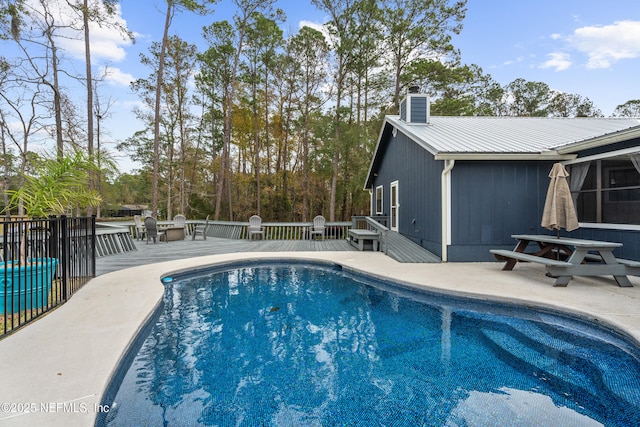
point(403, 249)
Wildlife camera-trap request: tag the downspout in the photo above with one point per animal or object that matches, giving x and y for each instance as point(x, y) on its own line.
point(446, 175)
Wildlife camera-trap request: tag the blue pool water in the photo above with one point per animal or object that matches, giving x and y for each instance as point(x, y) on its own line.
point(312, 345)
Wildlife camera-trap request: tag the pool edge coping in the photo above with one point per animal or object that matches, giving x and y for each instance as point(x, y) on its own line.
point(376, 265)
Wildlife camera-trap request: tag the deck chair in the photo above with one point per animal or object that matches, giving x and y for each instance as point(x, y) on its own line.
point(201, 230)
point(151, 228)
point(180, 221)
point(139, 227)
point(318, 226)
point(255, 227)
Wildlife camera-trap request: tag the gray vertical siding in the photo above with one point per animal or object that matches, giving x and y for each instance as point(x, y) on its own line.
point(493, 200)
point(418, 176)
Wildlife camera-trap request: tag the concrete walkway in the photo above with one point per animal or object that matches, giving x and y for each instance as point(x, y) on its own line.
point(56, 369)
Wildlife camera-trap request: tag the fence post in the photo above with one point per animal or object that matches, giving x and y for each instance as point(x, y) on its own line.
point(93, 245)
point(64, 255)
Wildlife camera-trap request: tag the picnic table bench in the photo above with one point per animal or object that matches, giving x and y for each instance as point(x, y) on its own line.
point(563, 263)
point(358, 238)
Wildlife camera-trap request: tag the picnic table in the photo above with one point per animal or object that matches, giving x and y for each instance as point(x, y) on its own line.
point(566, 257)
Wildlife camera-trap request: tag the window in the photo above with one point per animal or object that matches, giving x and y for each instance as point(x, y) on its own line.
point(379, 192)
point(607, 190)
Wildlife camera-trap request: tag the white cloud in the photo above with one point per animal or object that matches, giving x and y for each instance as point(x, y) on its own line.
point(557, 60)
point(605, 45)
point(107, 42)
point(314, 25)
point(518, 60)
point(115, 76)
point(318, 27)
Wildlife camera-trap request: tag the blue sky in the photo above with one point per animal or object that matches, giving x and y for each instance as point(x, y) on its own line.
point(587, 47)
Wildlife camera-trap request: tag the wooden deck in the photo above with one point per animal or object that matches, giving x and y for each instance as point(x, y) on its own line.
point(399, 248)
point(162, 251)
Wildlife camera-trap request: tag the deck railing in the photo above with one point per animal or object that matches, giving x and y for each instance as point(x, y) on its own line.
point(278, 230)
point(44, 262)
point(272, 230)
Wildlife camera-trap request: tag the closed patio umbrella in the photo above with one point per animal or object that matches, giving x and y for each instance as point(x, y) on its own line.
point(559, 210)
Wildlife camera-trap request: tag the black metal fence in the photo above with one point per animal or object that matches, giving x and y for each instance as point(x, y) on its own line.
point(43, 263)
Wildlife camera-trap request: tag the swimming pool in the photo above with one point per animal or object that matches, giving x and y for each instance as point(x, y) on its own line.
point(300, 344)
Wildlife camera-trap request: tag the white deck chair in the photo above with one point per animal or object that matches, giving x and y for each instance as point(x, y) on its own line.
point(255, 227)
point(318, 226)
point(139, 227)
point(180, 221)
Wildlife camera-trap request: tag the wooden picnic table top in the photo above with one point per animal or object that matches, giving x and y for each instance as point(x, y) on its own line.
point(578, 243)
point(563, 271)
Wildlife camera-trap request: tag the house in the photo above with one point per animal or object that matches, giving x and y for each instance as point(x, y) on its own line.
point(127, 211)
point(459, 186)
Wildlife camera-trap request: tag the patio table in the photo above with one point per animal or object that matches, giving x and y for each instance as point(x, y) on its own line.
point(172, 232)
point(566, 257)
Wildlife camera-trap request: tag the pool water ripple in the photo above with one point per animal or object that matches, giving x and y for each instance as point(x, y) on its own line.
point(293, 344)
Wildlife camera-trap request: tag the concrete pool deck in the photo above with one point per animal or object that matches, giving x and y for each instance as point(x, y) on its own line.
point(56, 369)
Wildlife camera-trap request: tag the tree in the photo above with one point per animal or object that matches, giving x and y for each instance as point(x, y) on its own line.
point(20, 105)
point(246, 9)
point(176, 120)
point(344, 32)
point(416, 30)
point(172, 7)
point(215, 80)
point(263, 38)
point(630, 108)
point(98, 11)
point(309, 52)
point(458, 90)
point(528, 99)
point(11, 19)
point(42, 56)
point(58, 186)
point(571, 105)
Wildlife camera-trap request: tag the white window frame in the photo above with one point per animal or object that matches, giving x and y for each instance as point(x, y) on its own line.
point(379, 200)
point(394, 210)
point(605, 156)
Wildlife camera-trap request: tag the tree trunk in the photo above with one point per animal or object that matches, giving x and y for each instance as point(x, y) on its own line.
point(156, 124)
point(87, 58)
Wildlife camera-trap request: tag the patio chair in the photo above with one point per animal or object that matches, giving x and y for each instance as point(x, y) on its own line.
point(318, 226)
point(180, 221)
point(151, 228)
point(201, 230)
point(255, 227)
point(139, 227)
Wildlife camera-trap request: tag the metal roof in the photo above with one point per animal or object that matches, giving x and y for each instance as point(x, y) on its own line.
point(505, 138)
point(509, 134)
